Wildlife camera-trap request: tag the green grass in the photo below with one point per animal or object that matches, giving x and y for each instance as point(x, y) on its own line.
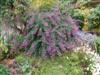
point(67, 64)
point(4, 70)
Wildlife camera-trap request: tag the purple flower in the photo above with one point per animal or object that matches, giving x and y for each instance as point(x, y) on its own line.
point(52, 20)
point(62, 46)
point(25, 44)
point(69, 46)
point(45, 24)
point(48, 36)
point(31, 21)
point(33, 45)
point(51, 51)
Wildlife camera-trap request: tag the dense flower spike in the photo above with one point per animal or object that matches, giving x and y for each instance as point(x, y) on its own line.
point(49, 32)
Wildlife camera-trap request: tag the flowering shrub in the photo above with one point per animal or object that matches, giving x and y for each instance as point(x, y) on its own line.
point(45, 33)
point(49, 34)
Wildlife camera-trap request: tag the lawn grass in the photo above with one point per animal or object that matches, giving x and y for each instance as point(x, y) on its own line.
point(74, 63)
